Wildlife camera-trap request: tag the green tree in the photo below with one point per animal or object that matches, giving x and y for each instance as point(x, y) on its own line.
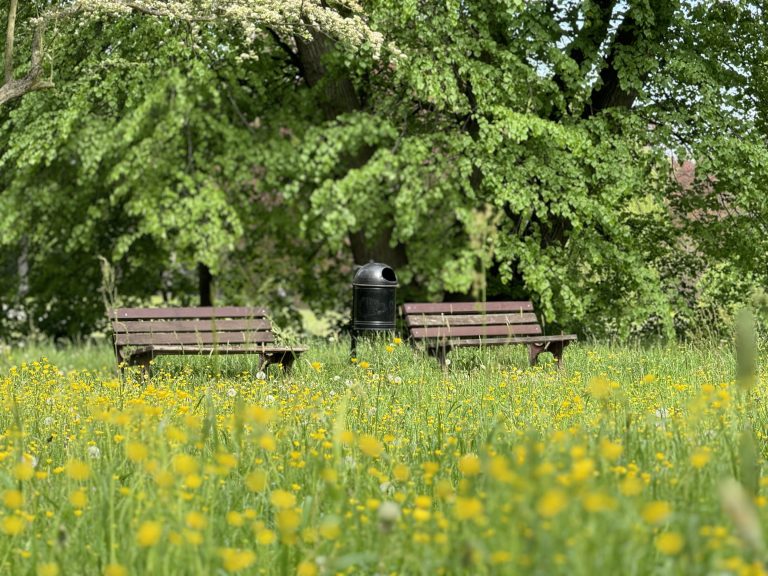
point(523, 143)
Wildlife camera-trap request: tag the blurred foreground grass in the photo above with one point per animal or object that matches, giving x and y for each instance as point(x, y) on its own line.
point(627, 461)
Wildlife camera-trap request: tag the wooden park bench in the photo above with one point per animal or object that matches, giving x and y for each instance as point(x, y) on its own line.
point(141, 334)
point(442, 327)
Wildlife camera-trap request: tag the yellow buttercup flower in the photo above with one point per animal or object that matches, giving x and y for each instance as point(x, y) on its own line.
point(235, 560)
point(552, 503)
point(469, 465)
point(282, 499)
point(656, 512)
point(13, 499)
point(670, 543)
point(370, 446)
point(115, 570)
point(401, 472)
point(468, 508)
point(701, 457)
point(47, 569)
point(149, 534)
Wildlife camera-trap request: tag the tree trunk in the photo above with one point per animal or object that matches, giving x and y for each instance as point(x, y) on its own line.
point(340, 97)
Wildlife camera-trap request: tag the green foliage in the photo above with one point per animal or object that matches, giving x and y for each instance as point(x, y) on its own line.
point(493, 149)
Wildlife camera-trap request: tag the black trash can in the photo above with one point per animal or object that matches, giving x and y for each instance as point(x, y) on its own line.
point(374, 290)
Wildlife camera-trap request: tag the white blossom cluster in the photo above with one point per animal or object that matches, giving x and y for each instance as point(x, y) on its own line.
point(343, 21)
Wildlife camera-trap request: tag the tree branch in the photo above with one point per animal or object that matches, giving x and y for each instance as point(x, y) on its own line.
point(9, 38)
point(12, 89)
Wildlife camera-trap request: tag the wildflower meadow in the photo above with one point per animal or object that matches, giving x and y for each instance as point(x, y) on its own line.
point(626, 461)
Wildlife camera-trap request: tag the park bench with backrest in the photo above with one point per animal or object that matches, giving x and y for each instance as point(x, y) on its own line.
point(141, 334)
point(442, 327)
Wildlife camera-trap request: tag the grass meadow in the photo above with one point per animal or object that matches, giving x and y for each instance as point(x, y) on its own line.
point(626, 461)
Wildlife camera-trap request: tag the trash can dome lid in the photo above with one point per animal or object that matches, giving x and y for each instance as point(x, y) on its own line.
point(375, 274)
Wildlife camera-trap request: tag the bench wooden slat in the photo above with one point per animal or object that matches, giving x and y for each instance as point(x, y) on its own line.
point(417, 320)
point(176, 313)
point(191, 338)
point(213, 325)
point(467, 307)
point(455, 343)
point(224, 349)
point(442, 332)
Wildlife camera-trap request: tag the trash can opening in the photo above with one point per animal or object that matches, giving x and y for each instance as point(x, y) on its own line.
point(389, 274)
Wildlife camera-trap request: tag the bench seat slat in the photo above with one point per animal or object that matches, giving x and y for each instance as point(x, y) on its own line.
point(213, 325)
point(190, 338)
point(175, 313)
point(416, 320)
point(463, 342)
point(477, 331)
point(225, 349)
point(467, 307)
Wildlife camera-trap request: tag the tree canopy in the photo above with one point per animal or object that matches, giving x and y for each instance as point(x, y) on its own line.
point(480, 148)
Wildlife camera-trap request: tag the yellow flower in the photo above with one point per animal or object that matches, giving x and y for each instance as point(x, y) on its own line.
point(444, 489)
point(656, 512)
point(13, 525)
point(136, 451)
point(330, 528)
point(235, 560)
point(184, 464)
point(401, 472)
point(469, 465)
point(317, 366)
point(288, 521)
point(499, 469)
point(149, 533)
point(48, 569)
point(648, 379)
point(611, 451)
point(306, 568)
point(195, 520)
point(582, 469)
point(259, 415)
point(235, 519)
point(78, 499)
point(282, 499)
point(370, 446)
point(669, 543)
point(267, 442)
point(265, 537)
point(598, 502)
point(256, 481)
point(701, 457)
point(631, 486)
point(500, 557)
point(552, 503)
point(468, 508)
point(364, 364)
point(600, 387)
point(13, 499)
point(23, 471)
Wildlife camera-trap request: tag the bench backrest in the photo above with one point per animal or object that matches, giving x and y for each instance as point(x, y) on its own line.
point(190, 326)
point(468, 320)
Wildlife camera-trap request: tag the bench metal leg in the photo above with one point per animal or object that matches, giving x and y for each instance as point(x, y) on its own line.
point(556, 348)
point(533, 353)
point(557, 351)
point(142, 360)
point(285, 358)
point(439, 352)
